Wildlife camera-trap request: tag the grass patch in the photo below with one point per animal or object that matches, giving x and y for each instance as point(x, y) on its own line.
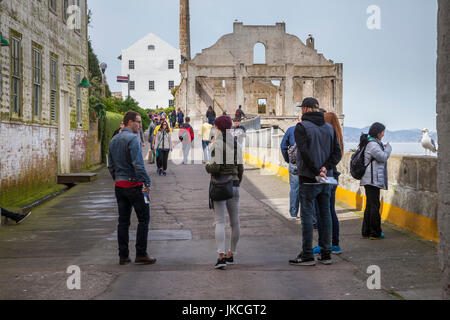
point(16, 198)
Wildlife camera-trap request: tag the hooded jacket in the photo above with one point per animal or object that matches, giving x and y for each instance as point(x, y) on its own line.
point(317, 147)
point(375, 158)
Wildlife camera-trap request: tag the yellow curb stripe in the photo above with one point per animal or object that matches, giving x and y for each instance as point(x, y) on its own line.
point(423, 226)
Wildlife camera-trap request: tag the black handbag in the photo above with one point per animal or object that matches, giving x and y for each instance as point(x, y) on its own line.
point(221, 188)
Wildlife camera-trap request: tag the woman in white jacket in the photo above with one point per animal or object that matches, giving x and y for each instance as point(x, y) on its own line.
point(375, 178)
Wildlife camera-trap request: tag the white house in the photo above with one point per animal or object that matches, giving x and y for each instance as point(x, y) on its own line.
point(153, 66)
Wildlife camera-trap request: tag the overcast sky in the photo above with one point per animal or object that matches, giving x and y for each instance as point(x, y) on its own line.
point(389, 74)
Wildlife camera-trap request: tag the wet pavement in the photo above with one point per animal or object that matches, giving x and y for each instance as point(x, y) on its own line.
point(79, 228)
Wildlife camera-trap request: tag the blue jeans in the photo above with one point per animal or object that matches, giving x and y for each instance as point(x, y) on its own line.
point(206, 156)
point(294, 195)
point(334, 219)
point(309, 193)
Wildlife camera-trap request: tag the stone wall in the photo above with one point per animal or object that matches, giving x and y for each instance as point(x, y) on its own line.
point(29, 148)
point(28, 153)
point(443, 127)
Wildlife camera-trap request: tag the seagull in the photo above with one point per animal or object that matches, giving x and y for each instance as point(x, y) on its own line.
point(427, 143)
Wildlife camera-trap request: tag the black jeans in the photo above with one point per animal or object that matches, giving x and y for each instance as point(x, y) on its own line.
point(10, 215)
point(128, 198)
point(163, 157)
point(372, 220)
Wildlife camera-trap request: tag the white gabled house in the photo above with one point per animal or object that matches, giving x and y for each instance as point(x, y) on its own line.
point(153, 66)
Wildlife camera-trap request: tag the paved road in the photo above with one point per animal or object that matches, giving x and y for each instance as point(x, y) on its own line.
point(78, 228)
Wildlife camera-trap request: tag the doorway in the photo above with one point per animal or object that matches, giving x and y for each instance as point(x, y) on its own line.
point(64, 134)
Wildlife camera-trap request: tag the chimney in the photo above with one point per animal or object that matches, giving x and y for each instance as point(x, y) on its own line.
point(310, 42)
point(185, 31)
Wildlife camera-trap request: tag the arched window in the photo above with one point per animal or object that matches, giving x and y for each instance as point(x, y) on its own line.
point(259, 53)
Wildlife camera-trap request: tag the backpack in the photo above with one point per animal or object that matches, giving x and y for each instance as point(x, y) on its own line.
point(357, 167)
point(292, 153)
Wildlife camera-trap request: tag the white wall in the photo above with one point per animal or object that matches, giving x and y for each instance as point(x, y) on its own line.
point(151, 65)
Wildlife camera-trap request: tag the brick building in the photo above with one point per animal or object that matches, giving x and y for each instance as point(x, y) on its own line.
point(44, 116)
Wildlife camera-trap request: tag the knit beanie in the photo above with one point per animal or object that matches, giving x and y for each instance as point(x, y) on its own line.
point(224, 123)
point(376, 129)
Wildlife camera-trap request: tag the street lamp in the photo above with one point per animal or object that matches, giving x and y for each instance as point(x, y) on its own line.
point(3, 41)
point(85, 82)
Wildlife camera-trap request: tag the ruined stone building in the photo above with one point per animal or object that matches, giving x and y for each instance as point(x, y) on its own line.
point(44, 115)
point(229, 73)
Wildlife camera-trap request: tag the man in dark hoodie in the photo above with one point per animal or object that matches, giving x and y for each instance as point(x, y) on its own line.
point(186, 136)
point(318, 152)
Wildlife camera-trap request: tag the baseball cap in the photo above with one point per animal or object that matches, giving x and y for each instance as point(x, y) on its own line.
point(310, 103)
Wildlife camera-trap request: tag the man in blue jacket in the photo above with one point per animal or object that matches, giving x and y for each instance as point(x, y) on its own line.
point(289, 152)
point(132, 183)
point(318, 153)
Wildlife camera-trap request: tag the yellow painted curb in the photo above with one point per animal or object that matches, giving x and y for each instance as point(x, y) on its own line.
point(423, 226)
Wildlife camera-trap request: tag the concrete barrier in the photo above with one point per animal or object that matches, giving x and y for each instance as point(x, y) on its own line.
point(410, 202)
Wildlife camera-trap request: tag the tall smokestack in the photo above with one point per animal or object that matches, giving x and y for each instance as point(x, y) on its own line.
point(185, 31)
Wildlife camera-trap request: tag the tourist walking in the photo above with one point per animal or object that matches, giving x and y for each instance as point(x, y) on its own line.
point(332, 119)
point(239, 133)
point(224, 191)
point(173, 119)
point(163, 144)
point(318, 152)
point(239, 113)
point(375, 178)
point(206, 139)
point(186, 136)
point(132, 187)
point(18, 218)
point(211, 115)
point(180, 117)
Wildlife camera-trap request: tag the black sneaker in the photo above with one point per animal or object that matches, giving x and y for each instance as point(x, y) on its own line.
point(325, 259)
point(23, 218)
point(301, 261)
point(229, 260)
point(221, 264)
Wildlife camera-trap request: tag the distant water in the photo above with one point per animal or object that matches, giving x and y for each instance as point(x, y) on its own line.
point(403, 148)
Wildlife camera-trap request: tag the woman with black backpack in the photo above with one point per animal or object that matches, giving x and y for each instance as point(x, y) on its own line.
point(374, 179)
point(224, 190)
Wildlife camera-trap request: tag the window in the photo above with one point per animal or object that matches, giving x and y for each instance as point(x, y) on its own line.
point(53, 89)
point(171, 85)
point(259, 53)
point(170, 103)
point(64, 8)
point(132, 85)
point(170, 64)
point(79, 109)
point(131, 64)
point(151, 47)
point(262, 106)
point(151, 85)
point(16, 75)
point(52, 5)
point(37, 82)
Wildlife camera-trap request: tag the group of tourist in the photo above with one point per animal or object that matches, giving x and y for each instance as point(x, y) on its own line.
point(313, 148)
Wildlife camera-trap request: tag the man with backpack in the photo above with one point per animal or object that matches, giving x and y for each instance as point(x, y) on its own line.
point(289, 152)
point(186, 136)
point(318, 152)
